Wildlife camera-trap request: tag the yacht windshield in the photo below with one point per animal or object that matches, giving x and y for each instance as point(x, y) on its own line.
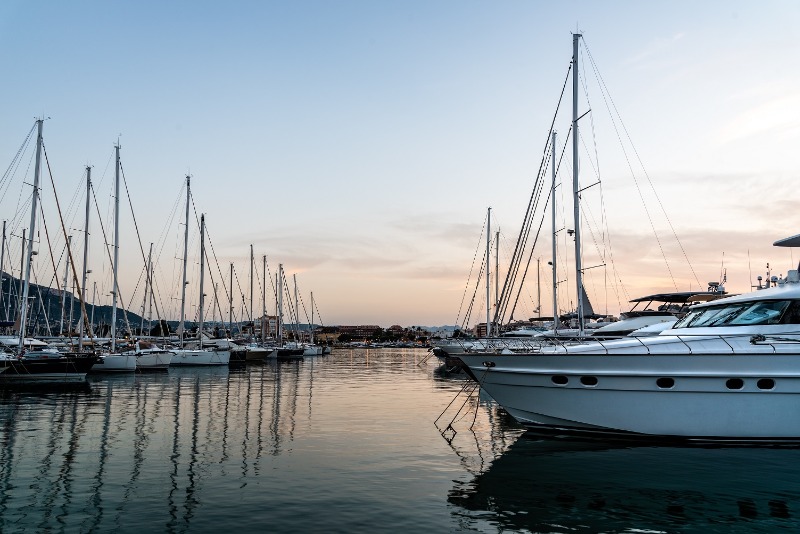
point(743, 313)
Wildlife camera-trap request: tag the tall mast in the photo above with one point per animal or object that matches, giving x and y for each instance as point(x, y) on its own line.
point(149, 292)
point(84, 319)
point(202, 272)
point(115, 290)
point(576, 194)
point(488, 274)
point(312, 318)
point(71, 301)
point(182, 326)
point(496, 270)
point(296, 310)
point(280, 303)
point(230, 304)
point(2, 264)
point(64, 290)
point(265, 323)
point(214, 307)
point(29, 256)
point(539, 286)
point(18, 307)
point(251, 289)
point(553, 208)
point(94, 295)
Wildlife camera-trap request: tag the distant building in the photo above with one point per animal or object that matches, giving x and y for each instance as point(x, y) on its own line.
point(326, 334)
point(361, 331)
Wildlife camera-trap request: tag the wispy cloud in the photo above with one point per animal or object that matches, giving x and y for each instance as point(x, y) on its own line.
point(653, 49)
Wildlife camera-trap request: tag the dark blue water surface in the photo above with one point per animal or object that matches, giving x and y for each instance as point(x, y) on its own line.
point(347, 443)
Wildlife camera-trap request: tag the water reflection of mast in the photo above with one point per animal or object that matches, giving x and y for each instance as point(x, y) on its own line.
point(191, 499)
point(310, 385)
point(223, 460)
point(9, 434)
point(176, 454)
point(260, 438)
point(246, 434)
point(63, 424)
point(274, 426)
point(95, 498)
point(65, 473)
point(293, 401)
point(140, 440)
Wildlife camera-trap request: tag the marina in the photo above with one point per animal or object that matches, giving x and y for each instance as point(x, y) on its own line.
point(347, 443)
point(234, 243)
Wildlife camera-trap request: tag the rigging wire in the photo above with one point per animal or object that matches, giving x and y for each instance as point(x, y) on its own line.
point(608, 99)
point(516, 258)
point(471, 268)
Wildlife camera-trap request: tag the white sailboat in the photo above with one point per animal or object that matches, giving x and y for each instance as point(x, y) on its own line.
point(114, 361)
point(195, 354)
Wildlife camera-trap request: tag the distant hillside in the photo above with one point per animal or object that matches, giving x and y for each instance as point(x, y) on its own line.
point(46, 304)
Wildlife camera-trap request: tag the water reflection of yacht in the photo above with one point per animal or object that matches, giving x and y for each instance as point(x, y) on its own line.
point(559, 485)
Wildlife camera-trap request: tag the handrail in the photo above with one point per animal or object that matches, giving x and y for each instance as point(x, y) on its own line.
point(538, 345)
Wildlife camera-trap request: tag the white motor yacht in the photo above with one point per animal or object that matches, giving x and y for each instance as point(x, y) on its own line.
point(729, 370)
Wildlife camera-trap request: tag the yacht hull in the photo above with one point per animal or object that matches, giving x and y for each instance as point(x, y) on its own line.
point(711, 394)
point(153, 361)
point(115, 363)
point(185, 357)
point(48, 369)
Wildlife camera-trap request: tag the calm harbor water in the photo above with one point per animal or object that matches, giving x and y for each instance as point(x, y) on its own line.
point(347, 443)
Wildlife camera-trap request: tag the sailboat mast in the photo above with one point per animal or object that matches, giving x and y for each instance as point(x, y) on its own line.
point(29, 256)
point(230, 304)
point(94, 296)
point(23, 244)
point(149, 292)
point(64, 289)
point(553, 208)
point(2, 264)
point(312, 318)
point(251, 289)
point(280, 303)
point(202, 272)
point(115, 289)
point(488, 274)
point(182, 326)
point(539, 286)
point(496, 269)
point(265, 322)
point(84, 318)
point(576, 195)
point(296, 310)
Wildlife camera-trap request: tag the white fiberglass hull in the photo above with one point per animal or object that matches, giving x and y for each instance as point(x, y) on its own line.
point(153, 361)
point(706, 388)
point(115, 363)
point(312, 350)
point(200, 357)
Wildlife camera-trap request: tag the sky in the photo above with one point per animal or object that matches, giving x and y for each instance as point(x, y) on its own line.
point(359, 144)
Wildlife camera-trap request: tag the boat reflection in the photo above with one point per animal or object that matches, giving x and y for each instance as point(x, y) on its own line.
point(554, 484)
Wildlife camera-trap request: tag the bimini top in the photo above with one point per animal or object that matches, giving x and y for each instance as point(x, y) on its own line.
point(793, 241)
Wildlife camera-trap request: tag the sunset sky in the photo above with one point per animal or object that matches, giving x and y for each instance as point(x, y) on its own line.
point(360, 143)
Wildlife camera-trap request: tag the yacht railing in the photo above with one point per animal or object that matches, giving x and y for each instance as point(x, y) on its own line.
point(538, 345)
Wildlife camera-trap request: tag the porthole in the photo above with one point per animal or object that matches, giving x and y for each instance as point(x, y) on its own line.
point(589, 380)
point(766, 383)
point(665, 383)
point(560, 380)
point(734, 383)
